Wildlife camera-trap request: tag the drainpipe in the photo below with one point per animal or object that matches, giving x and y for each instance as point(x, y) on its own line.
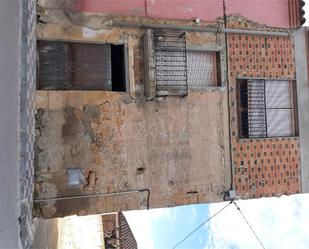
point(256, 32)
point(227, 195)
point(196, 28)
point(95, 195)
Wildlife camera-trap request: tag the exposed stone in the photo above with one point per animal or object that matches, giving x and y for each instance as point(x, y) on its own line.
point(135, 146)
point(48, 211)
point(140, 171)
point(91, 179)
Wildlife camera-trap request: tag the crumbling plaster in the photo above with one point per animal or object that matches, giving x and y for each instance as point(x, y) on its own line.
point(175, 147)
point(276, 12)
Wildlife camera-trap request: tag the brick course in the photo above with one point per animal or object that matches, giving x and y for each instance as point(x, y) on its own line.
point(268, 166)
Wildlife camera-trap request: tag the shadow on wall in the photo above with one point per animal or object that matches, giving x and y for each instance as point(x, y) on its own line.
point(64, 233)
point(46, 235)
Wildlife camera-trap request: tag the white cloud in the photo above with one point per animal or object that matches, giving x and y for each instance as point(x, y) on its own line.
point(279, 222)
point(194, 212)
point(140, 224)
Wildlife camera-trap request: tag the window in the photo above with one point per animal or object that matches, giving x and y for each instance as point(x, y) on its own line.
point(267, 108)
point(172, 69)
point(80, 66)
point(202, 69)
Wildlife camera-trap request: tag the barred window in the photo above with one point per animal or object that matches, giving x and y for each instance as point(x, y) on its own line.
point(170, 62)
point(171, 68)
point(267, 108)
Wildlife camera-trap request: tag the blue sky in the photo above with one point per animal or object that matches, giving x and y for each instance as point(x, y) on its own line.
point(181, 219)
point(164, 227)
point(281, 223)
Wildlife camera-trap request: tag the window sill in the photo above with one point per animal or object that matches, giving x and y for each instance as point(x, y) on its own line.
point(184, 93)
point(267, 139)
point(209, 89)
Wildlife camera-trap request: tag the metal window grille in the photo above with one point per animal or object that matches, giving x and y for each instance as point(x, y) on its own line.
point(202, 69)
point(52, 71)
point(74, 66)
point(266, 108)
point(170, 62)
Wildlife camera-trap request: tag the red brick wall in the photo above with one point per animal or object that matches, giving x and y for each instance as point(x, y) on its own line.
point(269, 166)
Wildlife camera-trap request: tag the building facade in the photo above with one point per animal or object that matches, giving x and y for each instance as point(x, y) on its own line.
point(117, 232)
point(139, 108)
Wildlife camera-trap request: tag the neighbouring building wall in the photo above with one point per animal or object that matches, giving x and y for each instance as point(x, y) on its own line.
point(175, 147)
point(301, 58)
point(176, 9)
point(262, 166)
point(75, 232)
point(274, 13)
point(117, 231)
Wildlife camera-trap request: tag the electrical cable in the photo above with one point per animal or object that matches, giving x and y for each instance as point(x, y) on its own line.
point(96, 195)
point(146, 8)
point(258, 239)
point(8, 226)
point(198, 227)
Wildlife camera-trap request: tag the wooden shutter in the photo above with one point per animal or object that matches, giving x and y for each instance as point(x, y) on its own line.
point(74, 66)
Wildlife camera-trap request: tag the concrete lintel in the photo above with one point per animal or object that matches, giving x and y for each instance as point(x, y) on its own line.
point(301, 59)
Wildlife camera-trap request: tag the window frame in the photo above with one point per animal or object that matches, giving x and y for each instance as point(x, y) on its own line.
point(125, 45)
point(219, 64)
point(150, 85)
point(294, 108)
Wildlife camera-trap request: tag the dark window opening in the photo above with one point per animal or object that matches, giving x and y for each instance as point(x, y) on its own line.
point(267, 108)
point(118, 68)
point(80, 66)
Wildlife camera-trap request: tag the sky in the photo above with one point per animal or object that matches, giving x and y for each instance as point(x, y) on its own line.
point(280, 223)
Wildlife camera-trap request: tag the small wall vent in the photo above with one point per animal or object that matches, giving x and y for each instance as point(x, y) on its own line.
point(75, 177)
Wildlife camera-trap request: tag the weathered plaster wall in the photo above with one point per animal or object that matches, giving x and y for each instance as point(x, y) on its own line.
point(274, 13)
point(177, 9)
point(175, 147)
